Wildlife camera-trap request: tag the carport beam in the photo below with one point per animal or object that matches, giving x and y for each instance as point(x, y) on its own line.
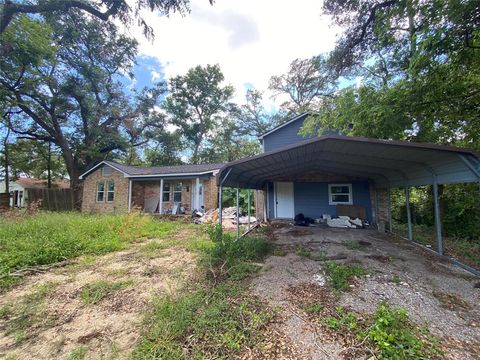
point(409, 214)
point(438, 223)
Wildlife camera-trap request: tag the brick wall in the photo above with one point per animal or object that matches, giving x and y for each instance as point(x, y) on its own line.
point(382, 205)
point(89, 198)
point(210, 193)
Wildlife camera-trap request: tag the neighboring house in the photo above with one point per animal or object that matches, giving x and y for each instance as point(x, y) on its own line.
point(19, 188)
point(109, 187)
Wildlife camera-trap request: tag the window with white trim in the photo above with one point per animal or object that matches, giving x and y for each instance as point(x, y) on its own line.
point(166, 192)
point(340, 194)
point(110, 190)
point(100, 191)
point(177, 192)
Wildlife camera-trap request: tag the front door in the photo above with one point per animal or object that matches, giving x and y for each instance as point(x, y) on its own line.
point(200, 196)
point(284, 200)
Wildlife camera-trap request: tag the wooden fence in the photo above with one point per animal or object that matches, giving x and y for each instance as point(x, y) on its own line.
point(52, 199)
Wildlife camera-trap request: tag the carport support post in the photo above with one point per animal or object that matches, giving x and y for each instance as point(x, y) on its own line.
point(438, 224)
point(409, 215)
point(220, 208)
point(248, 197)
point(197, 194)
point(390, 225)
point(238, 213)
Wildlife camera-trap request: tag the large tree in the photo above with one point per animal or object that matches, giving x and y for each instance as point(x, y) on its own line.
point(305, 84)
point(122, 10)
point(252, 118)
point(198, 102)
point(63, 81)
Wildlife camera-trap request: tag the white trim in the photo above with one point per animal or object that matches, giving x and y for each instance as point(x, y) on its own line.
point(284, 124)
point(350, 195)
point(274, 200)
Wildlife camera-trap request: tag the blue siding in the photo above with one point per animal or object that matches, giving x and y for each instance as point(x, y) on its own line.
point(284, 136)
point(311, 199)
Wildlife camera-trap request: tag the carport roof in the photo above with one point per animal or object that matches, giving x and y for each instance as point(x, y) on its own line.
point(388, 163)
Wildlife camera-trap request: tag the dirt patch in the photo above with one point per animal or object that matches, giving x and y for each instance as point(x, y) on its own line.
point(109, 327)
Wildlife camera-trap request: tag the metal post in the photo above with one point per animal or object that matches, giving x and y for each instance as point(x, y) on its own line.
point(129, 195)
point(248, 197)
point(438, 221)
point(238, 213)
point(197, 194)
point(409, 215)
point(160, 203)
point(220, 207)
point(390, 225)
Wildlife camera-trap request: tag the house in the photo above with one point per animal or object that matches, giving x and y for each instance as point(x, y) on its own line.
point(333, 174)
point(113, 187)
point(19, 188)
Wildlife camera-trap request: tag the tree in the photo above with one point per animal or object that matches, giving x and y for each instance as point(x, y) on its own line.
point(104, 10)
point(197, 104)
point(305, 84)
point(251, 117)
point(63, 80)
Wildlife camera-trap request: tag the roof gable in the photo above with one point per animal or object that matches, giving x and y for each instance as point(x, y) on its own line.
point(300, 117)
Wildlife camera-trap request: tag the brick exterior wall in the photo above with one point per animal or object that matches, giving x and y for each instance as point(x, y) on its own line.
point(210, 193)
point(382, 205)
point(89, 197)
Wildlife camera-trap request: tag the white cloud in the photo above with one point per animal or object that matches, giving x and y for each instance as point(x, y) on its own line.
point(155, 75)
point(250, 39)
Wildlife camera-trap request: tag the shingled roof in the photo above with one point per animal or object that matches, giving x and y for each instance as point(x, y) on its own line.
point(132, 171)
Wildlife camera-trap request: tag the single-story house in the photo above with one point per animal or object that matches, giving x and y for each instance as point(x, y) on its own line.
point(19, 189)
point(314, 176)
point(110, 186)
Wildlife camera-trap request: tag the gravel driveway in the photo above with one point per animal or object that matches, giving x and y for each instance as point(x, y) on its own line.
point(434, 292)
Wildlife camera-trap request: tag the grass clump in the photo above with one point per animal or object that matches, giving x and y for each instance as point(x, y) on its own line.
point(20, 316)
point(388, 332)
point(303, 251)
point(313, 308)
point(79, 353)
point(47, 238)
point(99, 290)
point(340, 275)
point(216, 317)
point(352, 245)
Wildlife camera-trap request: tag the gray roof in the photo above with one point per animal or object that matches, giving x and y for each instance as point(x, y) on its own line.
point(165, 170)
point(145, 171)
point(387, 163)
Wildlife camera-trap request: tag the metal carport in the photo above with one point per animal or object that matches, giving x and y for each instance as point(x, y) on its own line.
point(389, 164)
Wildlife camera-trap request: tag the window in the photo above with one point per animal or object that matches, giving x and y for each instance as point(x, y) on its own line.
point(100, 191)
point(166, 192)
point(340, 194)
point(177, 192)
point(110, 190)
point(106, 171)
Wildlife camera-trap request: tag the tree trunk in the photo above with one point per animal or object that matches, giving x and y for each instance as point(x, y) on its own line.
point(6, 164)
point(49, 165)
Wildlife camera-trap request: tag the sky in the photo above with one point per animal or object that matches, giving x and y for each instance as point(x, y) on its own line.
point(250, 40)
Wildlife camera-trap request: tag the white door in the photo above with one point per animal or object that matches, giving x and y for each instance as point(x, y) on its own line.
point(200, 195)
point(284, 200)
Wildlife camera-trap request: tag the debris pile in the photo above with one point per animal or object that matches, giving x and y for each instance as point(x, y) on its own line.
point(346, 222)
point(229, 217)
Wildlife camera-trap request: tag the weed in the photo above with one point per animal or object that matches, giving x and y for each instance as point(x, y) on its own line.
point(97, 291)
point(352, 245)
point(341, 274)
point(313, 308)
point(302, 251)
point(279, 252)
point(153, 249)
point(25, 313)
point(79, 353)
point(396, 280)
point(342, 320)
